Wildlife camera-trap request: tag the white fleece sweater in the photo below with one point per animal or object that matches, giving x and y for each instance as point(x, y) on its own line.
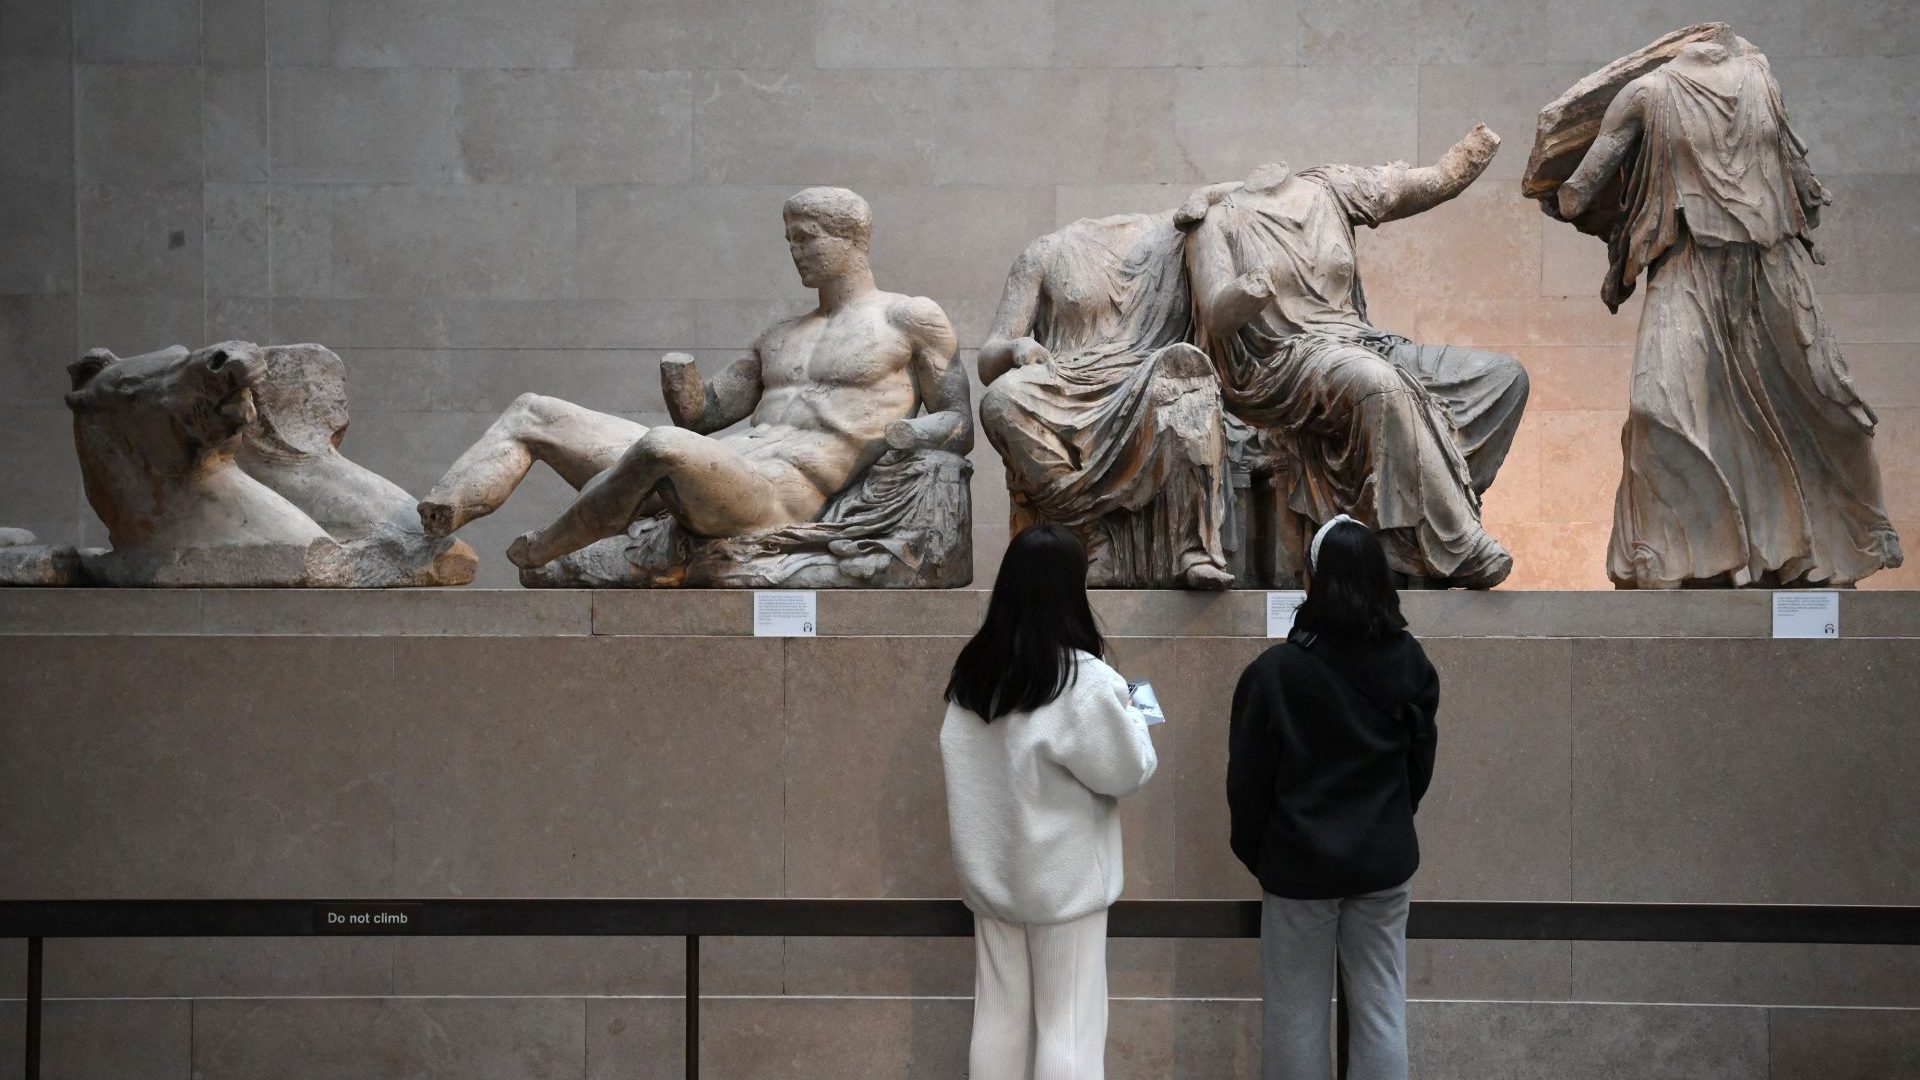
point(1033, 799)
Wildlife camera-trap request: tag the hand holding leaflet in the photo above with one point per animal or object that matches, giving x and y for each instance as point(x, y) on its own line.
point(1143, 699)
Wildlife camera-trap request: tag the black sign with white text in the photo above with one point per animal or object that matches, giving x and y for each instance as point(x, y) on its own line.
point(366, 918)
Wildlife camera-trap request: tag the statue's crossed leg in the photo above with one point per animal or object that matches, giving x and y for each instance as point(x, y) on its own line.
point(578, 443)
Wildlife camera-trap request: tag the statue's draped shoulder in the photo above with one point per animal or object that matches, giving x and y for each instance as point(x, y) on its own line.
point(1367, 194)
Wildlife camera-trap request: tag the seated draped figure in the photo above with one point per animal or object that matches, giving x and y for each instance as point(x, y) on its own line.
point(851, 470)
point(1354, 419)
point(1105, 413)
point(1749, 454)
point(222, 467)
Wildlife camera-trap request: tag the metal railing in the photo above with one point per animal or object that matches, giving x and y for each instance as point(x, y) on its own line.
point(37, 920)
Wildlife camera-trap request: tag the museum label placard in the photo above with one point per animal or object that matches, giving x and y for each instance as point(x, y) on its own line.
point(785, 613)
point(1806, 614)
point(1280, 608)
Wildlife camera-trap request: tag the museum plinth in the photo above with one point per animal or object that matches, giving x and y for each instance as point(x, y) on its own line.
point(237, 743)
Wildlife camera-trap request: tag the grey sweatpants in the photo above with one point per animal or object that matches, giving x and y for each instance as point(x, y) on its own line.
point(1299, 940)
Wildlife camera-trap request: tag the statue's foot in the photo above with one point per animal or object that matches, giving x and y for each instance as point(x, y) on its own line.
point(521, 552)
point(439, 518)
point(1206, 576)
point(1891, 557)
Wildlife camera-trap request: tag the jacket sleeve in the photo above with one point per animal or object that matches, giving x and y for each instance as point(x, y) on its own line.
point(1253, 762)
point(1106, 745)
point(1424, 714)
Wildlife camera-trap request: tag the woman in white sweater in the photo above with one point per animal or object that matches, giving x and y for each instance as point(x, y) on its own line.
point(1040, 742)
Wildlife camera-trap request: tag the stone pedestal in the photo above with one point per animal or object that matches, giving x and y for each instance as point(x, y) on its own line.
point(1594, 746)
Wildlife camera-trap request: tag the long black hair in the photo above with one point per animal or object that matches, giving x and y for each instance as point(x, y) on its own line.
point(1349, 589)
point(1022, 657)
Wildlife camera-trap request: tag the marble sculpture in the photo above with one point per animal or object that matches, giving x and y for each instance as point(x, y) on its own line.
point(1404, 437)
point(24, 560)
point(222, 467)
point(1749, 455)
point(1134, 362)
point(1105, 413)
point(851, 470)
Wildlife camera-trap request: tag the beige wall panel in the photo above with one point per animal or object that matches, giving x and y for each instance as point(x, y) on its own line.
point(105, 1040)
point(1695, 778)
point(1746, 974)
point(1837, 1044)
point(197, 767)
point(600, 785)
point(453, 33)
point(329, 1038)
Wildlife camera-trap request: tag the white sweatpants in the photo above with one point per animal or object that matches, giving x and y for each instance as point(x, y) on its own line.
point(1039, 1000)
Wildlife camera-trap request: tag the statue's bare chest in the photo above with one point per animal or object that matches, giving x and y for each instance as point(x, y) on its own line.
point(855, 348)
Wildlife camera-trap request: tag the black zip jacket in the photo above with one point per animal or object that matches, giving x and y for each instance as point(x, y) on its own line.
point(1330, 751)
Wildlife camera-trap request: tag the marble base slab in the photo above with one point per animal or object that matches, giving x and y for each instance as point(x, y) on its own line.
point(921, 1038)
point(471, 612)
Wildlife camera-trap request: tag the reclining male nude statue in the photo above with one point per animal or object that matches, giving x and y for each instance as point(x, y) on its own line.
point(1403, 437)
point(839, 478)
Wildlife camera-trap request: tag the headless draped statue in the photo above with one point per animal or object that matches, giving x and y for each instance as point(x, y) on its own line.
point(1107, 416)
point(1749, 455)
point(1403, 437)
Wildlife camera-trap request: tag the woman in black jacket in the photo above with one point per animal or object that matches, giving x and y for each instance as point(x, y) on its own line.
point(1331, 749)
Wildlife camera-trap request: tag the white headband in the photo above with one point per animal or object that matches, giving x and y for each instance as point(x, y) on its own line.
point(1313, 552)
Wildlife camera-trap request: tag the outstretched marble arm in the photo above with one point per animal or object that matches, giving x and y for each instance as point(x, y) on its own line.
point(705, 406)
point(1428, 187)
point(1619, 130)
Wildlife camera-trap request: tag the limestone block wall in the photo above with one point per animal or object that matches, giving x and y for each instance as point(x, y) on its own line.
point(473, 198)
point(1601, 746)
